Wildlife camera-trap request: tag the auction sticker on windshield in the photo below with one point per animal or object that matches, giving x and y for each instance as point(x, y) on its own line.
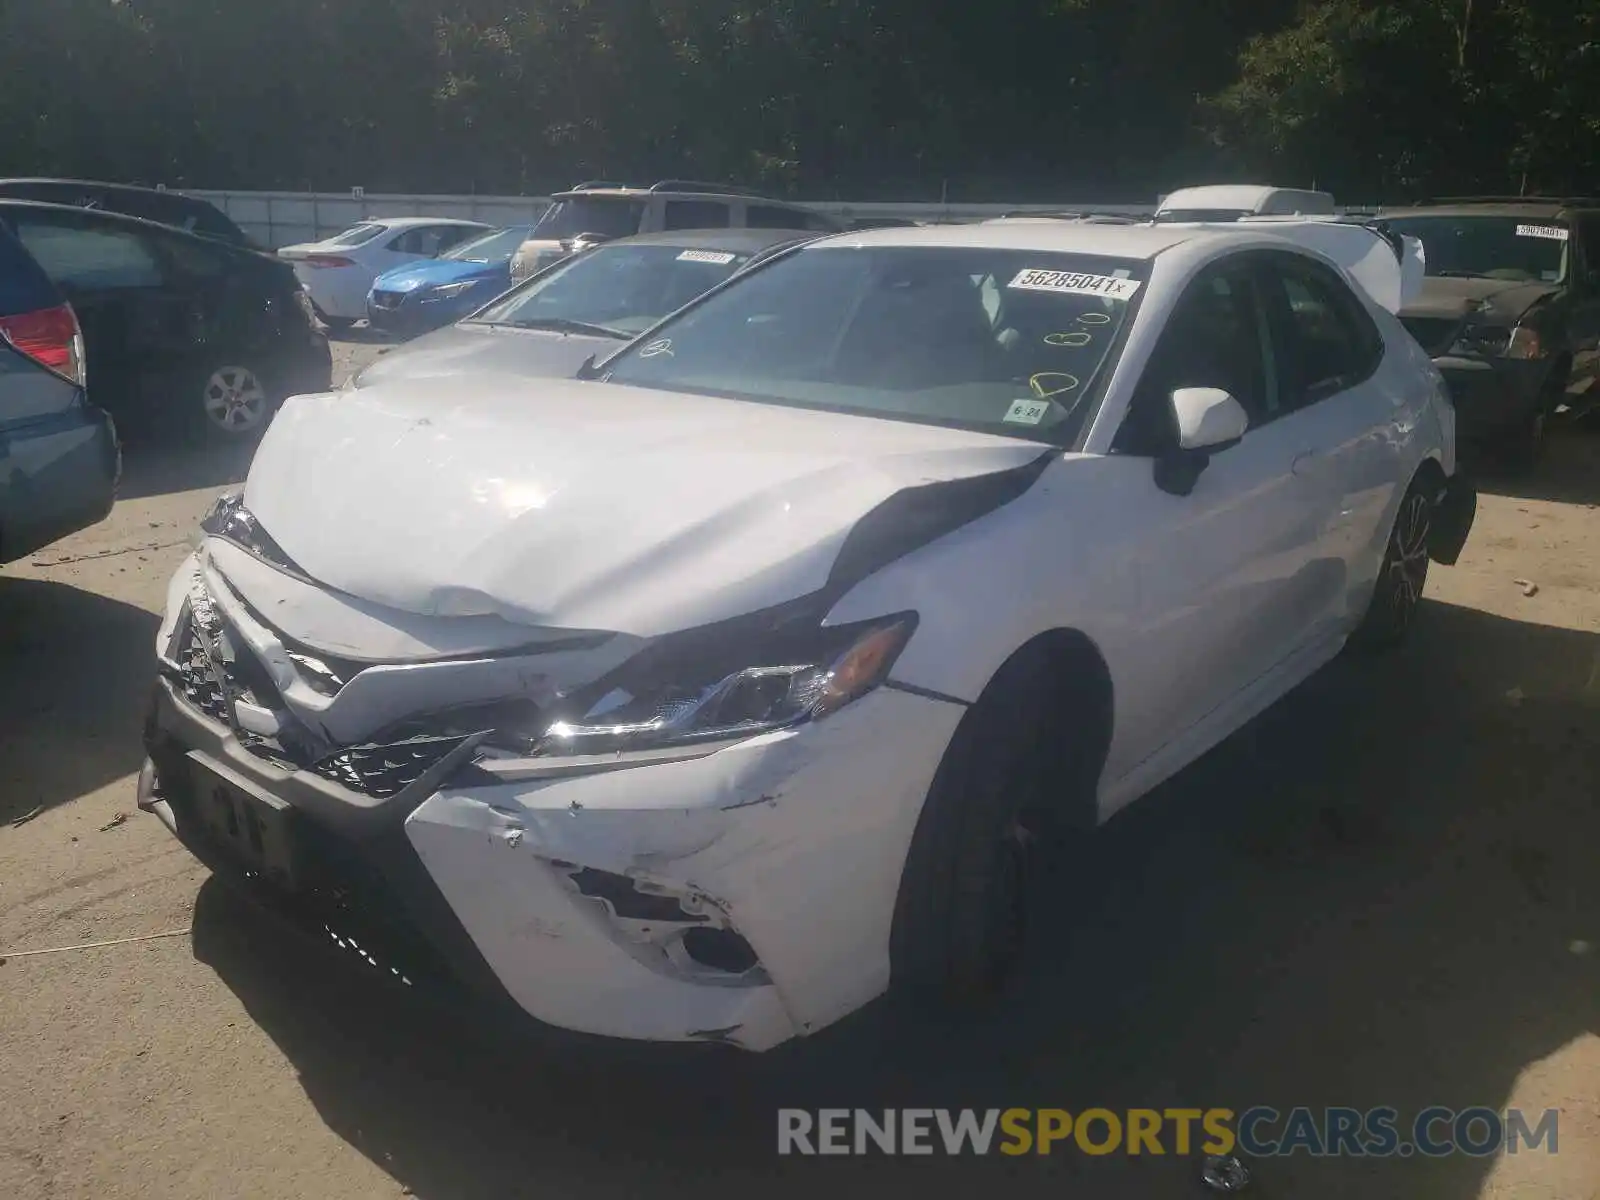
point(1554, 233)
point(721, 257)
point(1075, 283)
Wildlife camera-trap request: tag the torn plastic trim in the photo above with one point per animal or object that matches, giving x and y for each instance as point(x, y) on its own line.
point(660, 926)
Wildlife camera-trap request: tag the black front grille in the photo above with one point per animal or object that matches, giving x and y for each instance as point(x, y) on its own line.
point(195, 677)
point(384, 771)
point(1433, 334)
point(207, 658)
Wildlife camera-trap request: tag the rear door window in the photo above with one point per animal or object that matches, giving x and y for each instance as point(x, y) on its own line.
point(89, 258)
point(608, 216)
point(431, 240)
point(696, 214)
point(767, 216)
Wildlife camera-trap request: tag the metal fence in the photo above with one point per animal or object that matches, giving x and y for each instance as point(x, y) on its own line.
point(283, 218)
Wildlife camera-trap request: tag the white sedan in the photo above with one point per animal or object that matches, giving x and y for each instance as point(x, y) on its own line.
point(708, 695)
point(337, 272)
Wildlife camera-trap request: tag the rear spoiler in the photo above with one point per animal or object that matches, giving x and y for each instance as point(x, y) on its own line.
point(1386, 265)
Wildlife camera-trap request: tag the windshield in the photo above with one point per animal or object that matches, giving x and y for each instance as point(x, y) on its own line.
point(1004, 341)
point(1493, 247)
point(621, 288)
point(356, 235)
point(612, 216)
point(494, 247)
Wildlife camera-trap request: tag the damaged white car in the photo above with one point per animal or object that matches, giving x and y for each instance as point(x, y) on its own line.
point(704, 697)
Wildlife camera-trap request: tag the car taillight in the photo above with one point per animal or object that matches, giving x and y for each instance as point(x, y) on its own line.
point(51, 338)
point(328, 260)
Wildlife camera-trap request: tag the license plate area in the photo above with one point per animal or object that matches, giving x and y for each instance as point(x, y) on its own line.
point(254, 829)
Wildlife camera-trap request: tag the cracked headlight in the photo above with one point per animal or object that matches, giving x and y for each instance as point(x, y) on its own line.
point(842, 665)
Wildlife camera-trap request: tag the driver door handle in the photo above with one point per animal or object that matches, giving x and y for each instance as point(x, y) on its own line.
point(1305, 463)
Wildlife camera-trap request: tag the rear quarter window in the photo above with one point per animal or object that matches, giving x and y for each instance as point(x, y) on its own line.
point(24, 287)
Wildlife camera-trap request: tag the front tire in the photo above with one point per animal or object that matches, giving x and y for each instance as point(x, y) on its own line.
point(1398, 591)
point(960, 919)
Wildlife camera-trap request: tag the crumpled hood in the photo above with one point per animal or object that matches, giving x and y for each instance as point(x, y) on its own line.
point(482, 349)
point(1496, 299)
point(431, 273)
point(584, 505)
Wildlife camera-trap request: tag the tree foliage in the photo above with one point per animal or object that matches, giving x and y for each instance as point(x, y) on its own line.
point(1008, 100)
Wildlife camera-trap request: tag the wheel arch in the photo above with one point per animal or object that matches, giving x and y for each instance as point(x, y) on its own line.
point(1071, 656)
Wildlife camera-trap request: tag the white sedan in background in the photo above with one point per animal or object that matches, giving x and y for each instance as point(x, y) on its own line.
point(707, 695)
point(338, 271)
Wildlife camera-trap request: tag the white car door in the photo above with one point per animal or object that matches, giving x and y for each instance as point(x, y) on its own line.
point(1342, 413)
point(1216, 578)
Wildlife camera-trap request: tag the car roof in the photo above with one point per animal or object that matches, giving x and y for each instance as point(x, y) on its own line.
point(135, 188)
point(1063, 237)
point(409, 222)
point(121, 218)
point(737, 240)
point(1544, 209)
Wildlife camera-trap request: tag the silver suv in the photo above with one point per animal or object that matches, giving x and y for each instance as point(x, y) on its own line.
point(599, 211)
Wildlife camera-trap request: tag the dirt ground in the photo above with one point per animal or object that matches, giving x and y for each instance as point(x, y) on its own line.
point(1383, 892)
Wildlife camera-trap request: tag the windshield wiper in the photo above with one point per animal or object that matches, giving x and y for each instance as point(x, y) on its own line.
point(1458, 275)
point(562, 325)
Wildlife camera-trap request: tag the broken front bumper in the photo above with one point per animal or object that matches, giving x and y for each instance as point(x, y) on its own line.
point(742, 893)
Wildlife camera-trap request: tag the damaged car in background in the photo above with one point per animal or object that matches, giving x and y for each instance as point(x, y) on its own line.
point(741, 678)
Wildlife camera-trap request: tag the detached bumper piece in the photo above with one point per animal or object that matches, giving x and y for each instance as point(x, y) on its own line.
point(1454, 509)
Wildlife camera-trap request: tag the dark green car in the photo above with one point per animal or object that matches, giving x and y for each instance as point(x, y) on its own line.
point(1509, 311)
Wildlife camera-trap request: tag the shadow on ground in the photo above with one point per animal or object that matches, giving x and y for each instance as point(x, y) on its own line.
point(1569, 473)
point(1369, 896)
point(75, 670)
point(154, 466)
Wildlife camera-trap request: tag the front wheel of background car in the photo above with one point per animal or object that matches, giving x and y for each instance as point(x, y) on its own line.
point(960, 916)
point(1524, 447)
point(235, 403)
point(1398, 592)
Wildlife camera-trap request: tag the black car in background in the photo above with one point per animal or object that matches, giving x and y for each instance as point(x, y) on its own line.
point(59, 459)
point(1509, 311)
point(179, 330)
point(166, 208)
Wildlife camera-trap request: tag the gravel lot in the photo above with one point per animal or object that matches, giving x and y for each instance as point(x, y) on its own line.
point(1384, 891)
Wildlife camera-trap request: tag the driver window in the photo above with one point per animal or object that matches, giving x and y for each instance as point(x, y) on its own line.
point(1215, 337)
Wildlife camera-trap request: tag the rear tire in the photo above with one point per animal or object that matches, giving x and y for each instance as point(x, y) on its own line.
point(1398, 591)
point(235, 404)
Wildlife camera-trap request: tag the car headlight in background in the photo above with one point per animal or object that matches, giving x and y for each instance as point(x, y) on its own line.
point(838, 667)
point(1498, 341)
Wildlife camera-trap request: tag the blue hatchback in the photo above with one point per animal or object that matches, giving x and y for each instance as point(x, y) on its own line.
point(440, 291)
point(59, 457)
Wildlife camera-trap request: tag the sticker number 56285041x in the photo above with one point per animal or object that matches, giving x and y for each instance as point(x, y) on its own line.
point(1075, 283)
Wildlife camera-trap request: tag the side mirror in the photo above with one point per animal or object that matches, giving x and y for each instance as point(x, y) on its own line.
point(1208, 420)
